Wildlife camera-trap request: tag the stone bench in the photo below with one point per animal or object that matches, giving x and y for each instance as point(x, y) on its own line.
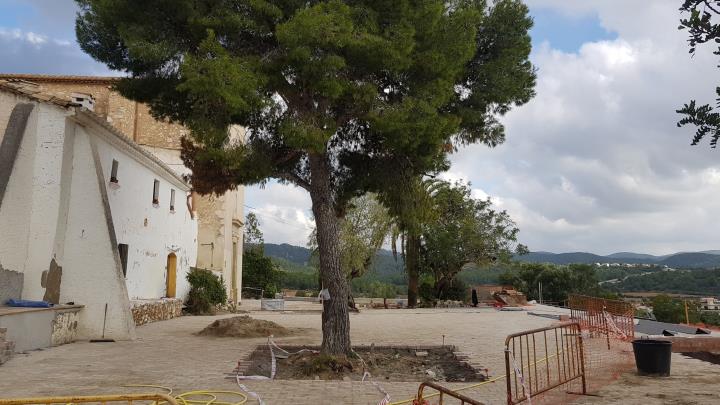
point(37, 328)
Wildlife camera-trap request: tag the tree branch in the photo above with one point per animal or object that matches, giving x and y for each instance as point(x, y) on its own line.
point(295, 179)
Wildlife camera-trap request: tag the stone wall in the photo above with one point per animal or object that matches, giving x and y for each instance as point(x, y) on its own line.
point(6, 348)
point(11, 285)
point(64, 327)
point(131, 118)
point(682, 344)
point(146, 311)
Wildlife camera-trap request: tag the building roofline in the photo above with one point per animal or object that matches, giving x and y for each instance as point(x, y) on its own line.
point(32, 91)
point(60, 78)
point(84, 116)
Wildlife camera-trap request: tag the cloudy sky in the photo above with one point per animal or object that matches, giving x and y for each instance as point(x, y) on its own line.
point(593, 163)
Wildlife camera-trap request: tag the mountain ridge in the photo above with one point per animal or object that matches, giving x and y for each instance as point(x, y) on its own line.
point(704, 259)
point(677, 260)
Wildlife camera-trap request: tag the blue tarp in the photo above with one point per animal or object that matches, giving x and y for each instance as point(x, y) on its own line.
point(28, 304)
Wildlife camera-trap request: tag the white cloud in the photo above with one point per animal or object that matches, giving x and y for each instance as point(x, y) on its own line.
point(605, 168)
point(19, 35)
point(283, 212)
point(25, 51)
point(595, 161)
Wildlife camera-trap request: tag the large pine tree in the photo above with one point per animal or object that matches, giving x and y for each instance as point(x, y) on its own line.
point(338, 97)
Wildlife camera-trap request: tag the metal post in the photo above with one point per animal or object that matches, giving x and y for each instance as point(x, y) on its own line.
point(605, 327)
point(507, 375)
point(582, 358)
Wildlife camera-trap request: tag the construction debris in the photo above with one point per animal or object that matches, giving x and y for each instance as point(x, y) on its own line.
point(509, 297)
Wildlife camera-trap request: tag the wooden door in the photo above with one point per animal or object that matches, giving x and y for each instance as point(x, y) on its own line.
point(171, 275)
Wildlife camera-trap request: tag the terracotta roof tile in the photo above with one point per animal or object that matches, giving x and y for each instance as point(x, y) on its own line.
point(60, 78)
point(32, 91)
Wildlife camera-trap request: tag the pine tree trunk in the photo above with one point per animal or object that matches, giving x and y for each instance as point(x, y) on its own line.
point(412, 267)
point(335, 316)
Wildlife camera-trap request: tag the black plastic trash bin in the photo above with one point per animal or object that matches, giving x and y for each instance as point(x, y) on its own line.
point(652, 357)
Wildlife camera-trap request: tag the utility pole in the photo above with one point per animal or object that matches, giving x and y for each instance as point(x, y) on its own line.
point(687, 316)
point(540, 292)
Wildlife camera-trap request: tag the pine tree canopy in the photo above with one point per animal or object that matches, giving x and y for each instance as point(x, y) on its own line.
point(377, 88)
point(337, 97)
point(701, 23)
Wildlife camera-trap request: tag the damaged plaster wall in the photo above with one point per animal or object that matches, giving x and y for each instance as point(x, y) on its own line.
point(45, 204)
point(90, 246)
point(11, 284)
point(16, 177)
point(64, 326)
point(211, 229)
point(220, 224)
point(28, 214)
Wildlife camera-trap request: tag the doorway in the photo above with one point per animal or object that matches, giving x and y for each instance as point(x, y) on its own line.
point(171, 275)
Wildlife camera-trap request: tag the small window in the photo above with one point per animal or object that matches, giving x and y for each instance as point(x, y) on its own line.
point(172, 200)
point(113, 171)
point(123, 250)
point(156, 192)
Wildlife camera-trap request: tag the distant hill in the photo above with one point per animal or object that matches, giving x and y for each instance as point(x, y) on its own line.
point(701, 260)
point(698, 260)
point(697, 282)
point(385, 265)
point(294, 258)
point(561, 258)
point(635, 256)
point(294, 254)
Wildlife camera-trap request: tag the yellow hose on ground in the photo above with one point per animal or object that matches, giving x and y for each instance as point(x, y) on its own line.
point(184, 397)
point(492, 380)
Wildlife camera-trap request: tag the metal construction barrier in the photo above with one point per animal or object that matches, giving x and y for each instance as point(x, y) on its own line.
point(611, 318)
point(539, 360)
point(100, 399)
point(443, 391)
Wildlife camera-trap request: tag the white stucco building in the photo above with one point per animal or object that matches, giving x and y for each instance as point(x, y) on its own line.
point(87, 215)
point(219, 217)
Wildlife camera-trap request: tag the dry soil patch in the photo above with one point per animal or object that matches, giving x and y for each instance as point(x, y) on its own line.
point(246, 327)
point(394, 364)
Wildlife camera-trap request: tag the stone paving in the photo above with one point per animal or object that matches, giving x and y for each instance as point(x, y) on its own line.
point(691, 381)
point(168, 354)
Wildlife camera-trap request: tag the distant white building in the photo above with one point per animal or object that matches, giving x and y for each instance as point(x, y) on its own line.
point(709, 304)
point(86, 215)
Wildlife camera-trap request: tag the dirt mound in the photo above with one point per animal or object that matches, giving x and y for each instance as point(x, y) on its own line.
point(244, 327)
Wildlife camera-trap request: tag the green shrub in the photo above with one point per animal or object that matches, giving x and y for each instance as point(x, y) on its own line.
point(668, 309)
point(710, 318)
point(270, 291)
point(457, 290)
point(306, 293)
point(260, 273)
point(426, 291)
point(206, 291)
